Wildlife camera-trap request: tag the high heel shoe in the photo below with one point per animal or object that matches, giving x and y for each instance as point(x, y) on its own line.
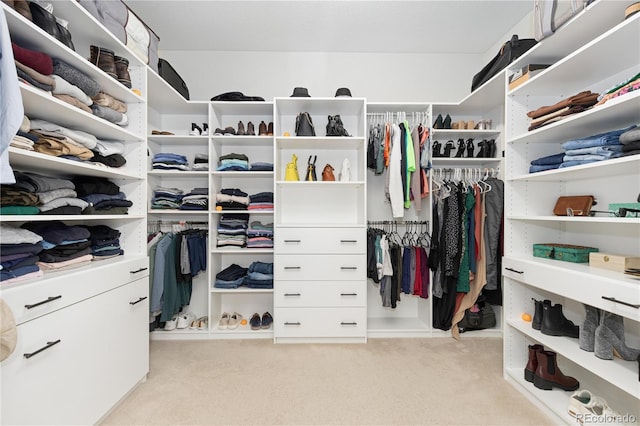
point(205, 129)
point(461, 147)
point(448, 147)
point(436, 149)
point(446, 123)
point(483, 145)
point(610, 340)
point(195, 130)
point(438, 124)
point(491, 151)
point(470, 148)
point(587, 338)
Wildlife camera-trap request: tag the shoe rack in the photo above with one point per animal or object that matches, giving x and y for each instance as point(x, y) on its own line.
point(594, 33)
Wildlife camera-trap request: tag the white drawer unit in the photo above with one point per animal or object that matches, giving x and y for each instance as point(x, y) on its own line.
point(296, 294)
point(321, 240)
point(319, 267)
point(321, 322)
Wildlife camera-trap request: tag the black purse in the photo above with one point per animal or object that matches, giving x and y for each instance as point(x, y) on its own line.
point(47, 22)
point(304, 125)
point(335, 127)
point(509, 52)
point(311, 170)
point(479, 317)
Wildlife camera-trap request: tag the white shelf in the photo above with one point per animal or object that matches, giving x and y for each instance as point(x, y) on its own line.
point(463, 133)
point(320, 183)
point(577, 219)
point(242, 250)
point(319, 142)
point(606, 168)
point(242, 108)
point(462, 162)
point(241, 290)
point(179, 139)
point(293, 106)
point(242, 211)
point(174, 212)
point(485, 98)
point(242, 139)
point(320, 225)
point(407, 107)
point(70, 217)
point(178, 173)
point(243, 174)
point(166, 100)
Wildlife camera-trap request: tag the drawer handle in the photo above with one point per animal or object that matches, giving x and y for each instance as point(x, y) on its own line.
point(138, 270)
point(291, 267)
point(613, 299)
point(514, 270)
point(44, 348)
point(291, 294)
point(49, 299)
point(292, 323)
point(138, 301)
point(348, 294)
point(348, 268)
point(292, 241)
point(348, 323)
point(348, 241)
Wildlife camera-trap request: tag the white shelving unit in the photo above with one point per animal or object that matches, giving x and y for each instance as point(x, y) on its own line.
point(71, 320)
point(594, 33)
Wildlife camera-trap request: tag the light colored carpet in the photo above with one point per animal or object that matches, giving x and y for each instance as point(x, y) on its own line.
point(436, 381)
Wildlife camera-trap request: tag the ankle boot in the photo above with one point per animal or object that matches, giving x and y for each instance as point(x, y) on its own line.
point(262, 129)
point(548, 375)
point(270, 129)
point(448, 147)
point(461, 146)
point(536, 324)
point(241, 130)
point(104, 59)
point(122, 69)
point(251, 131)
point(446, 123)
point(436, 149)
point(610, 340)
point(554, 322)
point(532, 362)
point(470, 148)
point(588, 329)
point(492, 149)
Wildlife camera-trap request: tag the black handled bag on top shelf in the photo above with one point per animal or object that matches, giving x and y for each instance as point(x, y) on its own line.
point(304, 125)
point(171, 76)
point(48, 23)
point(509, 52)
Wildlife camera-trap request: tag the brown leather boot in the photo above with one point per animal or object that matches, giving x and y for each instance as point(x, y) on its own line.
point(548, 375)
point(122, 69)
point(104, 59)
point(22, 7)
point(241, 130)
point(251, 131)
point(262, 129)
point(532, 363)
point(270, 129)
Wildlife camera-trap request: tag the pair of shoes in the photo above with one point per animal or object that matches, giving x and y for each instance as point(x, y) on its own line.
point(258, 323)
point(542, 369)
point(448, 147)
point(171, 324)
point(442, 123)
point(185, 319)
point(550, 320)
point(488, 148)
point(229, 321)
point(462, 125)
point(116, 66)
point(602, 332)
point(199, 324)
point(584, 405)
point(264, 130)
point(227, 131)
point(461, 147)
point(199, 131)
point(161, 132)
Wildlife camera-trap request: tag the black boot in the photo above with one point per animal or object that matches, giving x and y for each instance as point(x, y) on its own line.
point(436, 150)
point(461, 146)
point(492, 149)
point(536, 324)
point(448, 147)
point(554, 322)
point(470, 148)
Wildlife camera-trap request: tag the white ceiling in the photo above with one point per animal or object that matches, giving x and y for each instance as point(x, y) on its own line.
point(426, 26)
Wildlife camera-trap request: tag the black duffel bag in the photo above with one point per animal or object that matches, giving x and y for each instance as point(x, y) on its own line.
point(509, 52)
point(48, 22)
point(171, 76)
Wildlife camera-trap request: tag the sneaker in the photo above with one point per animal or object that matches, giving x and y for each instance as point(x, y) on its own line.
point(234, 321)
point(185, 319)
point(255, 322)
point(267, 320)
point(224, 321)
point(171, 324)
point(588, 408)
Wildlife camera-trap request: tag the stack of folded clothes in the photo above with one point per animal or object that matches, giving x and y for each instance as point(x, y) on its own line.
point(603, 146)
point(565, 108)
point(101, 195)
point(232, 230)
point(259, 235)
point(54, 195)
point(623, 88)
point(230, 277)
point(59, 145)
point(200, 162)
point(15, 200)
point(166, 198)
point(261, 201)
point(65, 246)
point(19, 254)
point(232, 199)
point(259, 275)
point(233, 162)
point(105, 241)
point(549, 162)
point(23, 139)
point(261, 166)
point(196, 199)
point(169, 161)
point(630, 141)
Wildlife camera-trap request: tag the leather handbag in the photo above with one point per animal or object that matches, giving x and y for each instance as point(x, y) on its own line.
point(509, 52)
point(48, 23)
point(311, 170)
point(327, 173)
point(304, 125)
point(291, 173)
point(574, 205)
point(478, 317)
point(335, 127)
point(345, 171)
point(171, 76)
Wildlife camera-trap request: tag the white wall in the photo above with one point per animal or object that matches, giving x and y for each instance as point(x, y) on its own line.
point(380, 77)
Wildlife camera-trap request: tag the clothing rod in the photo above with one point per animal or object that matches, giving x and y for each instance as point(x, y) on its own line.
point(397, 222)
point(177, 222)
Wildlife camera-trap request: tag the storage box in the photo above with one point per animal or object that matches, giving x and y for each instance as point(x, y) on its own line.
point(564, 252)
point(615, 206)
point(615, 262)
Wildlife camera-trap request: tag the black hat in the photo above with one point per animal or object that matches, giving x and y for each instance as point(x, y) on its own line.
point(343, 91)
point(300, 92)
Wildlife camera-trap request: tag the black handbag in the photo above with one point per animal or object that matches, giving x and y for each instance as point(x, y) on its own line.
point(48, 23)
point(479, 317)
point(311, 170)
point(335, 127)
point(171, 76)
point(509, 52)
point(304, 125)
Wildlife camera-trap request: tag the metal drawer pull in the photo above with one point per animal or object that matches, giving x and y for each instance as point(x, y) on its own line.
point(44, 348)
point(49, 299)
point(138, 301)
point(613, 299)
point(348, 294)
point(352, 268)
point(292, 294)
point(513, 270)
point(292, 267)
point(348, 241)
point(138, 270)
point(348, 323)
point(292, 241)
point(291, 323)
